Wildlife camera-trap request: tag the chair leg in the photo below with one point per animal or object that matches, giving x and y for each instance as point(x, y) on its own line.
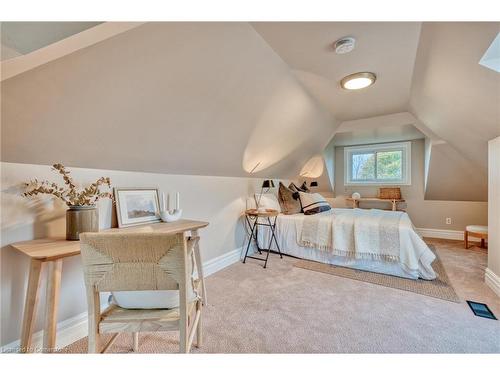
point(482, 243)
point(199, 333)
point(94, 342)
point(135, 336)
point(94, 315)
point(466, 239)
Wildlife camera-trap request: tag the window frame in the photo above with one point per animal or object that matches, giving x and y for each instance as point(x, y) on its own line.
point(405, 147)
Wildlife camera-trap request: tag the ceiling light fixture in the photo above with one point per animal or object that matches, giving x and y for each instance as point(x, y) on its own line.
point(358, 81)
point(344, 45)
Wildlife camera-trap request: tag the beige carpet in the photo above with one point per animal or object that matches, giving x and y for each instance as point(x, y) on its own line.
point(286, 309)
point(437, 288)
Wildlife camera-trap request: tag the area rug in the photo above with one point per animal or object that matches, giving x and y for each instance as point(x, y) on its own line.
point(438, 288)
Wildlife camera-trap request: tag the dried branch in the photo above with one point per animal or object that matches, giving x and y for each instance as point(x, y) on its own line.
point(69, 194)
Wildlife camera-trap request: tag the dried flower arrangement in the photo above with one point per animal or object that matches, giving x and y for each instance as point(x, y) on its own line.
point(69, 194)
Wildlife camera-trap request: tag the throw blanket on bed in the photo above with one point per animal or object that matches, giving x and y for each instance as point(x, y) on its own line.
point(361, 234)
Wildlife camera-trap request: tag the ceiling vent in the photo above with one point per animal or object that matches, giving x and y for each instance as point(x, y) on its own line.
point(344, 45)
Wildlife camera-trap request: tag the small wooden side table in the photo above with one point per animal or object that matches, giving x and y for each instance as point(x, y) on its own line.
point(52, 251)
point(254, 215)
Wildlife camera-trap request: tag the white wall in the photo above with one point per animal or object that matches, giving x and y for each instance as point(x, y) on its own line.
point(218, 200)
point(493, 271)
point(424, 213)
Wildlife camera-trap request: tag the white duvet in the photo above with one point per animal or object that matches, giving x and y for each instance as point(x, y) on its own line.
point(371, 240)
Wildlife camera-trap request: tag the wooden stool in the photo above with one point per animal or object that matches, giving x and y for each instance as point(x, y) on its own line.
point(478, 231)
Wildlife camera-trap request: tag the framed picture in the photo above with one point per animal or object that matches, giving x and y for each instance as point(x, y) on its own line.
point(135, 206)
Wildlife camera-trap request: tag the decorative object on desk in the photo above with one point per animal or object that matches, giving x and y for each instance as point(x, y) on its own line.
point(135, 206)
point(167, 215)
point(82, 215)
point(170, 216)
point(268, 185)
point(355, 195)
point(81, 219)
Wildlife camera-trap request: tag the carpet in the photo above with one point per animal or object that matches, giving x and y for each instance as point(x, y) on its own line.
point(438, 288)
point(286, 309)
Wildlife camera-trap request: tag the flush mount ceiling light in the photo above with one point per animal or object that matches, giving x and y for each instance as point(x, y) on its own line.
point(344, 45)
point(358, 81)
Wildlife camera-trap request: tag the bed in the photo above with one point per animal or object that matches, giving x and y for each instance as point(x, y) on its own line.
point(369, 240)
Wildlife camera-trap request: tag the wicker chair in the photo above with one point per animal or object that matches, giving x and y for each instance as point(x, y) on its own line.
point(140, 261)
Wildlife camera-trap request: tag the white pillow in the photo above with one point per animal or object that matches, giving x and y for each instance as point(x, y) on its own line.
point(313, 203)
point(269, 201)
point(153, 299)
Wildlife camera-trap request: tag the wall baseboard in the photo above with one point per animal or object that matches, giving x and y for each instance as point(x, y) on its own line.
point(75, 328)
point(68, 331)
point(222, 261)
point(492, 280)
point(441, 233)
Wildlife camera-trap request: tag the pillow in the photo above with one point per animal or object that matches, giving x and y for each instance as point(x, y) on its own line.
point(313, 203)
point(268, 201)
point(303, 187)
point(290, 203)
point(153, 299)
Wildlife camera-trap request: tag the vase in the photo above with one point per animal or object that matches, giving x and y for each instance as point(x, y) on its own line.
point(81, 219)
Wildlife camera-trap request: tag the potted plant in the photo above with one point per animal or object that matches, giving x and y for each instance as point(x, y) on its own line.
point(82, 215)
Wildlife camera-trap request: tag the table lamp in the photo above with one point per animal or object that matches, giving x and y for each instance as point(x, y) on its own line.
point(268, 185)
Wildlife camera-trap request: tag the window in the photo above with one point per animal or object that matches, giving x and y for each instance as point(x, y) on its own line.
point(382, 164)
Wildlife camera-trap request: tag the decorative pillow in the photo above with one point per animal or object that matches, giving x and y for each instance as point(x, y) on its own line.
point(269, 201)
point(303, 187)
point(290, 203)
point(313, 203)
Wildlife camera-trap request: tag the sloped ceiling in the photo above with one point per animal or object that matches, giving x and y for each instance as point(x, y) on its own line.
point(261, 97)
point(386, 48)
point(179, 98)
point(430, 70)
point(458, 100)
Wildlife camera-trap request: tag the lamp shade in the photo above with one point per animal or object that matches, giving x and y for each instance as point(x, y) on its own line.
point(267, 184)
point(314, 183)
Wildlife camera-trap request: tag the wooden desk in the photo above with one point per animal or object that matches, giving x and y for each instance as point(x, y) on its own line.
point(394, 202)
point(51, 251)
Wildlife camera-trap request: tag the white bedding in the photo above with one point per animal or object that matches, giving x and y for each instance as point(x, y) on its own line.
point(414, 260)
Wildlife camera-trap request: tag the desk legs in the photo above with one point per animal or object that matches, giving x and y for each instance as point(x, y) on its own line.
point(199, 267)
point(51, 304)
point(30, 304)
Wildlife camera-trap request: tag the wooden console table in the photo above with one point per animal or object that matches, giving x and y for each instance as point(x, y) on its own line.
point(52, 251)
point(394, 202)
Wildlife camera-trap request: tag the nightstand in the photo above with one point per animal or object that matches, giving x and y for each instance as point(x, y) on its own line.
point(252, 218)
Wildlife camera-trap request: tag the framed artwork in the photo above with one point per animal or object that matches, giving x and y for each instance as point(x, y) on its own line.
point(136, 206)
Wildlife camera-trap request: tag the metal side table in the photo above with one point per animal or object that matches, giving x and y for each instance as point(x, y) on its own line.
point(252, 218)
